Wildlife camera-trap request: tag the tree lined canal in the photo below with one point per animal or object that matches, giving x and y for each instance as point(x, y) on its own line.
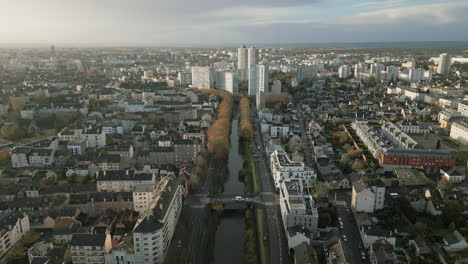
point(229, 240)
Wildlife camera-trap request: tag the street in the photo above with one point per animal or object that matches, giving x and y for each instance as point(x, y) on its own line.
point(278, 249)
point(353, 238)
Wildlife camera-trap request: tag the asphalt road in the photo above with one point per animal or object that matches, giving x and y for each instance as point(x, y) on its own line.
point(353, 238)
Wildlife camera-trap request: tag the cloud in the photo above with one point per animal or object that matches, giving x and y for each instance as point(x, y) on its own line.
point(425, 14)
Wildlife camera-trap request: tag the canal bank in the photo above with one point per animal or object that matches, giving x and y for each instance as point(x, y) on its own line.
point(229, 238)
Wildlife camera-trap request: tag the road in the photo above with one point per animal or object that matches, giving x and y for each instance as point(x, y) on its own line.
point(278, 249)
point(351, 231)
point(305, 139)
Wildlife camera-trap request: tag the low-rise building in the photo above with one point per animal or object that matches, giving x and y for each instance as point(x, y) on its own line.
point(297, 206)
point(459, 131)
point(381, 252)
point(282, 168)
point(89, 248)
point(453, 174)
point(122, 180)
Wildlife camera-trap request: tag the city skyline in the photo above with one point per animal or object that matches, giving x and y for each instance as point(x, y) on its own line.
point(158, 23)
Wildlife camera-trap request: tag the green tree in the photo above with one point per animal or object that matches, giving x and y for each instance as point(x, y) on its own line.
point(321, 189)
point(444, 184)
point(346, 159)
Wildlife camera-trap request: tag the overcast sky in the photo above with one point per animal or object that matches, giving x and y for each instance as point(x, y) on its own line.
point(185, 22)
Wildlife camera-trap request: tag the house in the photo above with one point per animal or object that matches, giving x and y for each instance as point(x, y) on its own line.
point(89, 248)
point(109, 162)
point(96, 137)
point(435, 203)
point(372, 234)
point(454, 241)
point(381, 252)
point(368, 195)
point(453, 175)
point(77, 147)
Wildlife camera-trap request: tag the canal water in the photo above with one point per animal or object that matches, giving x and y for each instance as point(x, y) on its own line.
point(229, 240)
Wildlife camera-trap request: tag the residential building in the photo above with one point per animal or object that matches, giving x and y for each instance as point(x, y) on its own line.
point(122, 180)
point(381, 252)
point(231, 82)
point(297, 206)
point(143, 197)
point(344, 71)
point(77, 147)
point(109, 162)
point(368, 195)
point(276, 87)
point(242, 62)
point(187, 149)
point(338, 253)
point(453, 174)
point(459, 131)
point(252, 56)
point(13, 225)
point(96, 138)
point(282, 169)
point(444, 64)
point(258, 79)
point(202, 77)
point(184, 78)
point(88, 248)
point(153, 232)
point(454, 241)
point(463, 108)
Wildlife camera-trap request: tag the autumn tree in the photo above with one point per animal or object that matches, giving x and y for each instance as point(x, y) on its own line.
point(358, 165)
point(245, 123)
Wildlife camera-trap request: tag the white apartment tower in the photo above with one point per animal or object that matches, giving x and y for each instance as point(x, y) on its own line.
point(258, 79)
point(252, 56)
point(242, 62)
point(231, 82)
point(444, 63)
point(344, 71)
point(202, 77)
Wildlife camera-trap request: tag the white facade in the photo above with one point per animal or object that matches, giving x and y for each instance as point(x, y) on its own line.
point(368, 196)
point(96, 138)
point(252, 56)
point(231, 82)
point(444, 64)
point(152, 235)
point(258, 79)
point(344, 71)
point(459, 131)
point(297, 206)
point(11, 234)
point(463, 108)
point(143, 197)
point(282, 168)
point(202, 77)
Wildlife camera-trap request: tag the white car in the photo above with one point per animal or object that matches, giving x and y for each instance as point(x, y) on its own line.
point(363, 255)
point(238, 198)
point(344, 238)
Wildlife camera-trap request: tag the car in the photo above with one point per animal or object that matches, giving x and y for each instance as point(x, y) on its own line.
point(238, 198)
point(363, 255)
point(344, 238)
point(339, 219)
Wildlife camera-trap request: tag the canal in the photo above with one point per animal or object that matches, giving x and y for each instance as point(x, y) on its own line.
point(229, 240)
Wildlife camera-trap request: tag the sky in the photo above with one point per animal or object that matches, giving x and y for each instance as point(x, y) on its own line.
point(205, 22)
